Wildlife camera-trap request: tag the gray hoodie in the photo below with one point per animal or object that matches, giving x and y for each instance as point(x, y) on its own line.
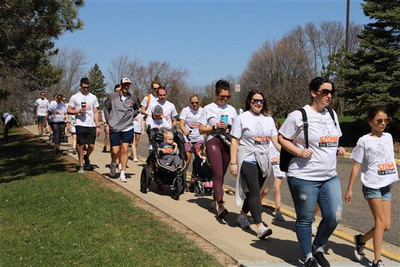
point(119, 114)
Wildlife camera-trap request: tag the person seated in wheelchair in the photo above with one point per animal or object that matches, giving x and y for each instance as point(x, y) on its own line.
point(169, 151)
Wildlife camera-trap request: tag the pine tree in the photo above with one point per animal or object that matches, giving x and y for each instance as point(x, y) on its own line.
point(372, 74)
point(97, 85)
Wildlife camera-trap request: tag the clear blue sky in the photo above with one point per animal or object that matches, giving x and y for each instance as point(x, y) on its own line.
point(210, 39)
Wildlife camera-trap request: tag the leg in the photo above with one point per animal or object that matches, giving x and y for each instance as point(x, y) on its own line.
point(330, 203)
point(214, 156)
point(305, 195)
point(124, 158)
point(188, 159)
point(106, 137)
point(381, 210)
point(277, 192)
point(134, 148)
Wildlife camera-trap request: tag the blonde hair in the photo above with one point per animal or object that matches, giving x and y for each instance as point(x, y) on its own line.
point(168, 134)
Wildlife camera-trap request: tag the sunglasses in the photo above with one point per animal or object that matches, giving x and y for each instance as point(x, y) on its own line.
point(85, 87)
point(224, 96)
point(256, 101)
point(194, 103)
point(388, 120)
point(326, 92)
point(161, 94)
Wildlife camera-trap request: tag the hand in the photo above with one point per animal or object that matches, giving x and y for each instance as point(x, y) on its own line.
point(348, 196)
point(234, 169)
point(97, 131)
point(306, 153)
point(340, 151)
point(82, 110)
point(222, 125)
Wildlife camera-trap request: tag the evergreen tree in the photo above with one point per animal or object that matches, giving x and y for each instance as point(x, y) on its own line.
point(97, 85)
point(372, 74)
point(27, 34)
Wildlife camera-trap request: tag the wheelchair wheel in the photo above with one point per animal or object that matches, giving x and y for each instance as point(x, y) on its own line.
point(144, 180)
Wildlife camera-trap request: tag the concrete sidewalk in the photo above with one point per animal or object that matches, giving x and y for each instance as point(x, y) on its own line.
point(281, 249)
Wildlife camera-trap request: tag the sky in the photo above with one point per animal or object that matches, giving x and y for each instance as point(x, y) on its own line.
point(210, 39)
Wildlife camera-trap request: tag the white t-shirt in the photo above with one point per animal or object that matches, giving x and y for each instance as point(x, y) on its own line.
point(85, 119)
point(323, 138)
point(57, 111)
point(212, 114)
point(274, 158)
point(191, 118)
point(168, 109)
point(376, 155)
point(159, 123)
point(254, 131)
point(137, 123)
point(42, 105)
point(152, 100)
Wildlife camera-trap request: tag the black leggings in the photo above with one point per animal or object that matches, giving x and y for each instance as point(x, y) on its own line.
point(219, 157)
point(252, 175)
point(58, 129)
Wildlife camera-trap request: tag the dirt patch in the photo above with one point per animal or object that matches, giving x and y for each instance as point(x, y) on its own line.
point(221, 257)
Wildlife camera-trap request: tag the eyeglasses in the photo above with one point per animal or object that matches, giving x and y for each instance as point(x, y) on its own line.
point(388, 120)
point(256, 101)
point(85, 87)
point(326, 92)
point(161, 94)
point(194, 103)
point(224, 97)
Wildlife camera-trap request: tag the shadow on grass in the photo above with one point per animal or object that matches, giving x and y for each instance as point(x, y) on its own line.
point(23, 156)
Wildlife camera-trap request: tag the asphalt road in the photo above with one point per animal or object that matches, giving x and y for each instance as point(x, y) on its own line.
point(357, 215)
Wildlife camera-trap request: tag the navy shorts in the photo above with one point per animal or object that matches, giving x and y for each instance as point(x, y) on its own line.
point(85, 135)
point(383, 193)
point(118, 138)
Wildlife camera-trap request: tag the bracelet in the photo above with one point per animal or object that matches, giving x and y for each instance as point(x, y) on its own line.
point(97, 126)
point(233, 163)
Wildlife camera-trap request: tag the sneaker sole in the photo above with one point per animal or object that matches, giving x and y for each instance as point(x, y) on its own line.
point(223, 213)
point(265, 234)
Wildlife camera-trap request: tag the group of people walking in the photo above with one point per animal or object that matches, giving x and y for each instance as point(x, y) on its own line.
point(246, 143)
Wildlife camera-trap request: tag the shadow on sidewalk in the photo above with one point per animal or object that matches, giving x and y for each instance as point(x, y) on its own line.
point(23, 156)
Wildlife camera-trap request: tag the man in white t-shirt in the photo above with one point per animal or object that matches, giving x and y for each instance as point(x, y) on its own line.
point(168, 107)
point(40, 111)
point(150, 98)
point(84, 105)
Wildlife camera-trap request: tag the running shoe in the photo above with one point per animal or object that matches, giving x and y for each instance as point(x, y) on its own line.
point(113, 169)
point(359, 247)
point(122, 177)
point(243, 221)
point(379, 263)
point(81, 170)
point(311, 262)
point(263, 232)
point(279, 216)
point(319, 256)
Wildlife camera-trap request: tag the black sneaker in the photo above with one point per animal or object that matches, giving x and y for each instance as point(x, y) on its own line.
point(88, 166)
point(319, 256)
point(359, 247)
point(104, 149)
point(311, 262)
point(379, 263)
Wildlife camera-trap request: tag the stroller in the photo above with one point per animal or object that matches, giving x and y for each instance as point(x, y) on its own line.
point(201, 174)
point(156, 170)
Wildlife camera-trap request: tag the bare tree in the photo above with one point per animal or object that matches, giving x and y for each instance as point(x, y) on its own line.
point(332, 38)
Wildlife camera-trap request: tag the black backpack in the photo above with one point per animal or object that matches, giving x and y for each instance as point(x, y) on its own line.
point(286, 156)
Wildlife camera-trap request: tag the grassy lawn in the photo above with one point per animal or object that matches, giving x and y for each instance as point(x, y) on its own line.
point(51, 216)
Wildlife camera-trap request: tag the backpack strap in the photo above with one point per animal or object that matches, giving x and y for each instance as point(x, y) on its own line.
point(305, 123)
point(331, 113)
point(148, 101)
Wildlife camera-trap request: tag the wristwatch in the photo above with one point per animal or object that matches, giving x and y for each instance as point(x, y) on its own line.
point(214, 128)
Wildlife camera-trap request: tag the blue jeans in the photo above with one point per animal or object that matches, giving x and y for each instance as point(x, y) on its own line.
point(305, 196)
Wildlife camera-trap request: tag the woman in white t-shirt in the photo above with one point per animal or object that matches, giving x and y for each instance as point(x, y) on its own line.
point(374, 155)
point(189, 124)
point(252, 132)
point(57, 119)
point(215, 120)
point(312, 176)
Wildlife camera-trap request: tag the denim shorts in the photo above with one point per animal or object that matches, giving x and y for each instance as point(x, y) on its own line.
point(383, 192)
point(118, 138)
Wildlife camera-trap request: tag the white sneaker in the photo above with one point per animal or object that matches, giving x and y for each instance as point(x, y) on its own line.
point(113, 169)
point(119, 166)
point(263, 232)
point(135, 159)
point(122, 177)
point(243, 221)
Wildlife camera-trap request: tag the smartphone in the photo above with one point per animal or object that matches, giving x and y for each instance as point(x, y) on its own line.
point(83, 104)
point(224, 118)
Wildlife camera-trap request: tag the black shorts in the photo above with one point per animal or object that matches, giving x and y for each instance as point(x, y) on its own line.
point(85, 135)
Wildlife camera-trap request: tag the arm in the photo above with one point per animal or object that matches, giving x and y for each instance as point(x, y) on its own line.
point(274, 140)
point(96, 120)
point(183, 128)
point(291, 148)
point(174, 122)
point(209, 129)
point(354, 172)
point(234, 148)
point(175, 151)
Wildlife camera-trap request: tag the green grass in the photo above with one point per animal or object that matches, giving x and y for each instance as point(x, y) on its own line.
point(50, 216)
